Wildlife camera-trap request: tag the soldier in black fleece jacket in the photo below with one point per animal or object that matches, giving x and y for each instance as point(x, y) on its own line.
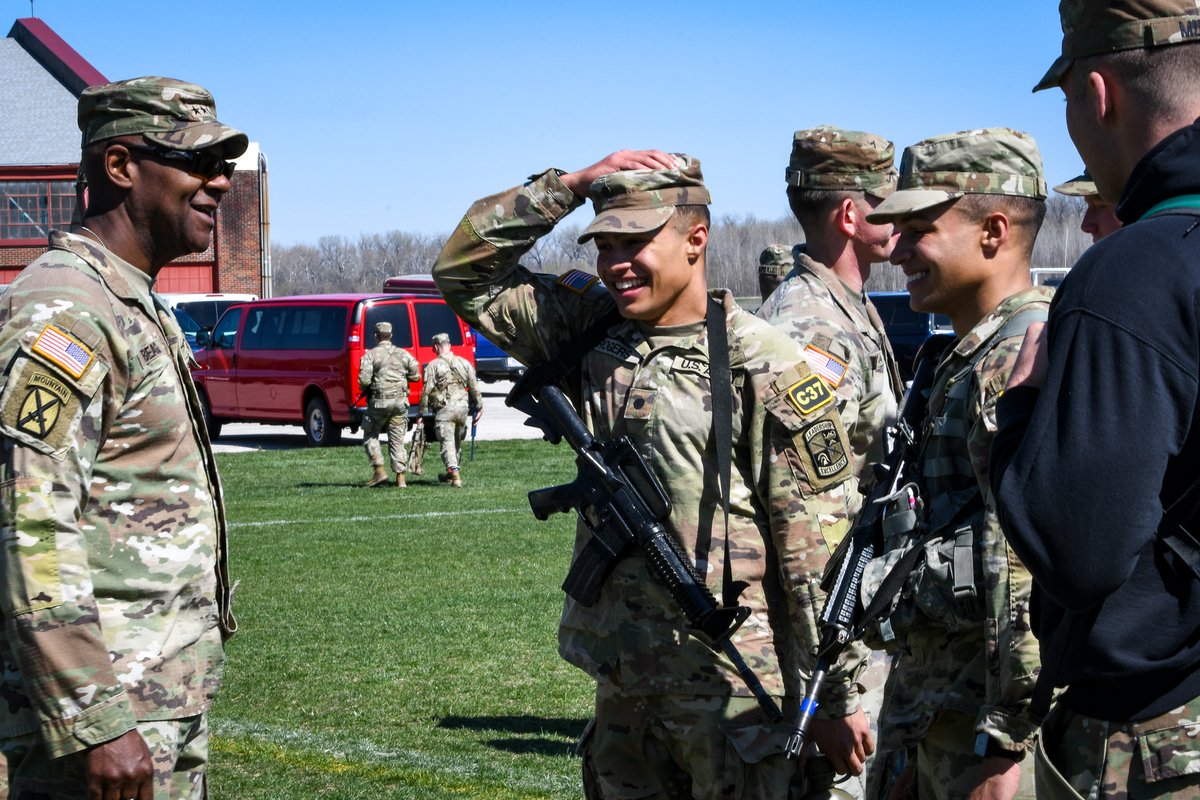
point(1084, 467)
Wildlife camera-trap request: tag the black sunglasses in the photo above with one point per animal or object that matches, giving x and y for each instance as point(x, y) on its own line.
point(204, 163)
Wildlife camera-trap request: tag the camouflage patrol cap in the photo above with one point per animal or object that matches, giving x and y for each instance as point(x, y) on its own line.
point(166, 112)
point(383, 327)
point(984, 161)
point(441, 338)
point(831, 158)
point(1079, 186)
point(642, 200)
point(1095, 27)
point(775, 261)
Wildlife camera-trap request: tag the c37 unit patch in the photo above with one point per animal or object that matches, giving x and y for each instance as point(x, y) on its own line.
point(809, 395)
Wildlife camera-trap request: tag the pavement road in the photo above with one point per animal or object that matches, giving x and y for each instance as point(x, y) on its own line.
point(498, 422)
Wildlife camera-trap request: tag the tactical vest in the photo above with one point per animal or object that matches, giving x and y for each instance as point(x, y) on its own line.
point(945, 587)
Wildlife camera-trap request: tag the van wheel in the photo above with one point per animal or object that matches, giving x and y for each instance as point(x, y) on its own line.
point(318, 425)
point(212, 425)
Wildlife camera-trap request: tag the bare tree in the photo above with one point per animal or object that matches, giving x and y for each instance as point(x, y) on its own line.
point(735, 243)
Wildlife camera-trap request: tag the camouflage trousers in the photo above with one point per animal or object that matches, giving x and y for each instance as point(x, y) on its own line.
point(178, 750)
point(873, 680)
point(944, 760)
point(452, 424)
point(392, 417)
point(1082, 757)
point(685, 747)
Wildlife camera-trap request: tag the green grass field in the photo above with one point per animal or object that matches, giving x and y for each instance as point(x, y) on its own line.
point(396, 644)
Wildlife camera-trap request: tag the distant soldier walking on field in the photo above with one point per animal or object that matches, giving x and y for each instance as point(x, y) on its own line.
point(384, 374)
point(452, 392)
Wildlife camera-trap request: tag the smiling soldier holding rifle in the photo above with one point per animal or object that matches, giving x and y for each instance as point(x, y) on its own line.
point(743, 438)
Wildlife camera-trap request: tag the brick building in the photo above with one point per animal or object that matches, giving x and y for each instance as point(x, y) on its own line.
point(41, 78)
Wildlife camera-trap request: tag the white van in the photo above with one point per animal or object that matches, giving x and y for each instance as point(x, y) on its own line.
point(206, 309)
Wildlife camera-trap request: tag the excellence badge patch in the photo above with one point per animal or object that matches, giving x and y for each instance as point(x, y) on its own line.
point(809, 395)
point(64, 350)
point(823, 442)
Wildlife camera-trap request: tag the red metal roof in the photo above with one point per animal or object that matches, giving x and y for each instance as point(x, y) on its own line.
point(58, 57)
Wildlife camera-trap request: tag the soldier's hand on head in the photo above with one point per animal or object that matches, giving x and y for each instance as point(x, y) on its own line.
point(845, 741)
point(120, 768)
point(579, 181)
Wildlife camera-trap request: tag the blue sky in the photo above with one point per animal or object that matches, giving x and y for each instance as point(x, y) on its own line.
point(397, 115)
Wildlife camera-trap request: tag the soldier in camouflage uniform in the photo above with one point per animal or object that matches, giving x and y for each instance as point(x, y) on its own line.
point(774, 264)
point(1096, 460)
point(452, 391)
point(673, 719)
point(1100, 218)
point(115, 586)
point(968, 209)
point(835, 178)
point(383, 375)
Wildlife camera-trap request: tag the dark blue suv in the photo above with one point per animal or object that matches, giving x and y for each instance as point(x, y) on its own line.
point(906, 329)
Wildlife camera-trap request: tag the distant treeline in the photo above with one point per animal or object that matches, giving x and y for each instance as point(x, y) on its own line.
point(339, 264)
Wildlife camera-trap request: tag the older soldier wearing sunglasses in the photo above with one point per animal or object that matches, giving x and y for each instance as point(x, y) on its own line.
point(113, 579)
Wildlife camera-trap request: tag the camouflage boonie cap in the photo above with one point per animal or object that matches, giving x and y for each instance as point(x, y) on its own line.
point(1094, 27)
point(944, 168)
point(383, 327)
point(166, 112)
point(826, 157)
point(642, 200)
point(1079, 186)
point(441, 338)
point(775, 261)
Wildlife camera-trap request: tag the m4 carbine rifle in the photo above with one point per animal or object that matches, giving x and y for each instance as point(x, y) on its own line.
point(893, 504)
point(623, 505)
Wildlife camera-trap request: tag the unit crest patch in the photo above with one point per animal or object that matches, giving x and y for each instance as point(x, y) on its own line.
point(824, 444)
point(38, 404)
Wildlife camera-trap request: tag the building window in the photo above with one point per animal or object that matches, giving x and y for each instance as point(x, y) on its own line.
point(30, 208)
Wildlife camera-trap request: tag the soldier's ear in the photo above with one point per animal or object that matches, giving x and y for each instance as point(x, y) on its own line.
point(696, 240)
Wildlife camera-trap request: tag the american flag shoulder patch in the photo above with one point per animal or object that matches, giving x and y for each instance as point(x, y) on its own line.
point(63, 350)
point(578, 281)
point(831, 368)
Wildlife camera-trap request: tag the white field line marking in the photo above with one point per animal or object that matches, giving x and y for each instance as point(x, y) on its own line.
point(364, 750)
point(374, 517)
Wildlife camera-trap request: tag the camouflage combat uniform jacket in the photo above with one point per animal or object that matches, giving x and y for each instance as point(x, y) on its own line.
point(976, 656)
point(652, 385)
point(450, 383)
point(385, 371)
point(115, 593)
point(844, 341)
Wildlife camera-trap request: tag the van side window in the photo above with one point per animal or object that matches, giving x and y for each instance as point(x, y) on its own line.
point(315, 328)
point(295, 328)
point(433, 318)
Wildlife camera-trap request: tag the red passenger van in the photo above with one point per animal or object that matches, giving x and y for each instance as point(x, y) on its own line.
point(294, 360)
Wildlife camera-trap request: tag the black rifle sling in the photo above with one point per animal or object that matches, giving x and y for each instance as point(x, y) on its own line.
point(721, 386)
point(557, 367)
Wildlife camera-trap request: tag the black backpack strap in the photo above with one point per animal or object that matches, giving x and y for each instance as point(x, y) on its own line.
point(721, 386)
